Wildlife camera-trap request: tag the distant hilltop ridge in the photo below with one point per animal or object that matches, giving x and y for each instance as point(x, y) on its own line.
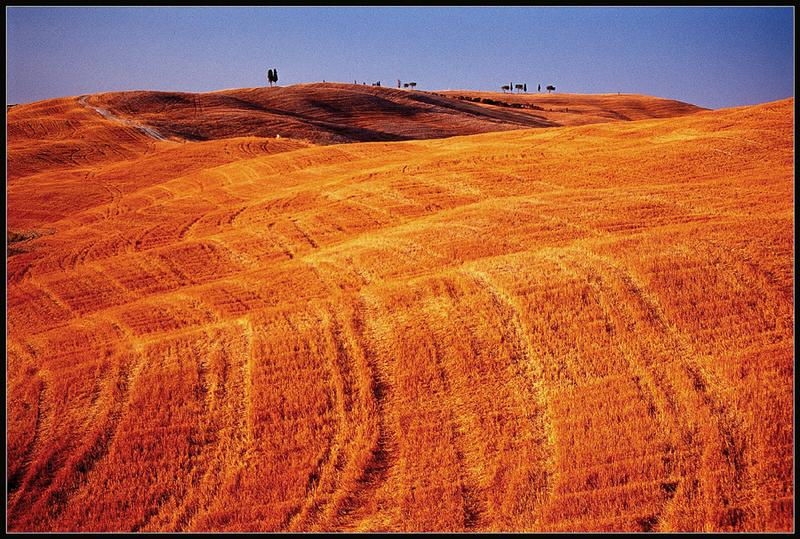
point(579, 109)
point(330, 113)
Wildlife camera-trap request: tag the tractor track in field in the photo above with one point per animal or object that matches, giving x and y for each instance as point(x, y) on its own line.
point(472, 502)
point(381, 445)
point(719, 422)
point(326, 487)
point(530, 372)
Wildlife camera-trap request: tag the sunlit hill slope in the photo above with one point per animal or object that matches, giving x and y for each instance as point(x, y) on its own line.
point(523, 328)
point(578, 109)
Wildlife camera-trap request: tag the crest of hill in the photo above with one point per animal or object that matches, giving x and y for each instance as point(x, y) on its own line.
point(330, 113)
point(323, 113)
point(579, 109)
point(44, 133)
point(63, 136)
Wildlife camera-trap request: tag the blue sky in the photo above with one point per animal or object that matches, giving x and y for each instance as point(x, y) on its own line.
point(713, 57)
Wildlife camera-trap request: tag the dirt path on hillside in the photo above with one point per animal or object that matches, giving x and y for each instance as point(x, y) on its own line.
point(149, 131)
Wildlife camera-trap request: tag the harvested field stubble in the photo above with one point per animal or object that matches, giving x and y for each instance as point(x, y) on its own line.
point(576, 328)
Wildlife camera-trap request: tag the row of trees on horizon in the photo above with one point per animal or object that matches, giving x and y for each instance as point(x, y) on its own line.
point(524, 87)
point(272, 78)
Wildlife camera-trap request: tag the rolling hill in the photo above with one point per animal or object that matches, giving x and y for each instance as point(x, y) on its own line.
point(323, 113)
point(66, 143)
point(521, 328)
point(562, 109)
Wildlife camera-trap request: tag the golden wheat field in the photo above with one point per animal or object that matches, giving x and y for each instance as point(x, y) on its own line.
point(410, 312)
